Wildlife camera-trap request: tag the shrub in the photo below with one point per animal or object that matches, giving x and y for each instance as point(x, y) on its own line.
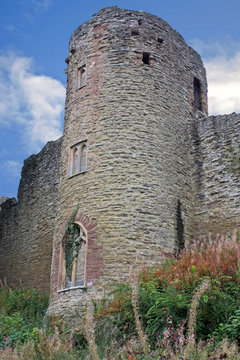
point(21, 311)
point(169, 288)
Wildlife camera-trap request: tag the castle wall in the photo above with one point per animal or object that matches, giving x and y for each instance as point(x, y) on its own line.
point(216, 144)
point(134, 117)
point(26, 226)
point(158, 171)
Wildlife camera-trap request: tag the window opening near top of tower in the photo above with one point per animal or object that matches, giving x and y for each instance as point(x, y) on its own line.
point(78, 158)
point(146, 58)
point(135, 31)
point(81, 76)
point(197, 94)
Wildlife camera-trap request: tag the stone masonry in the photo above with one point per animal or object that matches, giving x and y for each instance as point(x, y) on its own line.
point(26, 226)
point(155, 169)
point(216, 146)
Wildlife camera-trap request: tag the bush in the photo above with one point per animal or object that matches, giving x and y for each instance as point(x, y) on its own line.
point(21, 311)
point(169, 289)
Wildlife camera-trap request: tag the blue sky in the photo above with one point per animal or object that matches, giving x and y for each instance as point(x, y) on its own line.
point(34, 43)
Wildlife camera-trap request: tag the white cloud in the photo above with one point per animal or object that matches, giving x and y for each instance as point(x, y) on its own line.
point(12, 168)
point(223, 84)
point(35, 102)
point(39, 4)
point(222, 62)
point(42, 4)
point(213, 48)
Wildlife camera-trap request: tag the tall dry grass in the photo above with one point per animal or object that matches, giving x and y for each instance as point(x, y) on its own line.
point(215, 258)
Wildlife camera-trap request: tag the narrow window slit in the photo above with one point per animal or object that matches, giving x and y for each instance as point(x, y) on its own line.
point(146, 58)
point(197, 94)
point(180, 241)
point(135, 31)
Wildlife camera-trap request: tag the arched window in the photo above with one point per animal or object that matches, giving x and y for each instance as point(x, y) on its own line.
point(78, 158)
point(81, 76)
point(74, 262)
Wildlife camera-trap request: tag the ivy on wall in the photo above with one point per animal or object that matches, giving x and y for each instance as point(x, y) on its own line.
point(71, 243)
point(233, 156)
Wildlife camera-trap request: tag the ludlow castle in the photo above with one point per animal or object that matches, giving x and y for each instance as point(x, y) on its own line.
point(140, 169)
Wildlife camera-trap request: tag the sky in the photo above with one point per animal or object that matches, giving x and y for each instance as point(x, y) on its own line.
point(34, 37)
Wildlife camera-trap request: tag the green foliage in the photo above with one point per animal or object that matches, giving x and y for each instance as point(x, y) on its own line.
point(216, 307)
point(21, 311)
point(168, 290)
point(13, 330)
point(167, 300)
point(115, 315)
point(230, 329)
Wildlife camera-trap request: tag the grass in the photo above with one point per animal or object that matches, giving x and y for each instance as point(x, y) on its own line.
point(186, 309)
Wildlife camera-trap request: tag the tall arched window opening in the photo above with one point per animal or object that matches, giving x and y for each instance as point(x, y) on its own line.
point(74, 257)
point(81, 76)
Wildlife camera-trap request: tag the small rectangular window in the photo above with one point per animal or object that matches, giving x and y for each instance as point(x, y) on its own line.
point(197, 94)
point(81, 76)
point(78, 158)
point(135, 31)
point(146, 58)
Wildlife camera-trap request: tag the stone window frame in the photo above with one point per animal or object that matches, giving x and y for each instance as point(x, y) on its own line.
point(94, 263)
point(62, 267)
point(79, 166)
point(81, 76)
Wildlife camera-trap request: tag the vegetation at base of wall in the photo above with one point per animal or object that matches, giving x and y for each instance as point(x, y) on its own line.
point(187, 308)
point(21, 312)
point(168, 290)
point(70, 245)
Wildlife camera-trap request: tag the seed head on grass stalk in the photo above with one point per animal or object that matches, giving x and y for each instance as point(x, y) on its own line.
point(90, 332)
point(135, 306)
point(193, 315)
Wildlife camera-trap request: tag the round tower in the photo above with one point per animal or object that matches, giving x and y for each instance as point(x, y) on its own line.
point(125, 197)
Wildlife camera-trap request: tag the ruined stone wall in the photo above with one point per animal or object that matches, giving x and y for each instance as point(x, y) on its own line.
point(134, 117)
point(26, 226)
point(216, 144)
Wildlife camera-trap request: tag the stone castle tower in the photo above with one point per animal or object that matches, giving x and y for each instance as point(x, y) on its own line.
point(142, 166)
point(134, 89)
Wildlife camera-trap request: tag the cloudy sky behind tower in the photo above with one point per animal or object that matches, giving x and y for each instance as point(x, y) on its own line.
point(34, 43)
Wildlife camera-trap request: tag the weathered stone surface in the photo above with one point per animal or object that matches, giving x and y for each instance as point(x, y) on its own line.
point(216, 145)
point(3, 199)
point(26, 226)
point(135, 118)
point(159, 171)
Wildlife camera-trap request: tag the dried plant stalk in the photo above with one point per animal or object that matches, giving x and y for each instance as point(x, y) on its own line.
point(193, 315)
point(140, 332)
point(90, 333)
